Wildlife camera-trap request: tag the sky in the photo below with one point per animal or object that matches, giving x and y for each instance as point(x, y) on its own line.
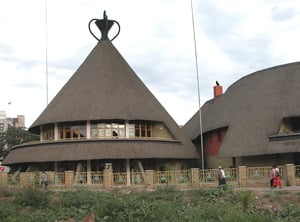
point(234, 38)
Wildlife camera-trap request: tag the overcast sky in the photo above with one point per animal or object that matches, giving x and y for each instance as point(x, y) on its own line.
point(234, 39)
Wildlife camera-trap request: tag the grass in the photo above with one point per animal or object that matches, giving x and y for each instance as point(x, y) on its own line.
point(163, 204)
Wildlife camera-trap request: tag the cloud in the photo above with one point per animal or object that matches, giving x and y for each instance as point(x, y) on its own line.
point(283, 14)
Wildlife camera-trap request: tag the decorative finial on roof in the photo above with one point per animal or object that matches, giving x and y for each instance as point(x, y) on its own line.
point(104, 26)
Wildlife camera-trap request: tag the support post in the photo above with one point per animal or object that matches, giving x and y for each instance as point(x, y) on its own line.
point(108, 178)
point(69, 178)
point(149, 178)
point(242, 176)
point(89, 172)
point(290, 174)
point(195, 178)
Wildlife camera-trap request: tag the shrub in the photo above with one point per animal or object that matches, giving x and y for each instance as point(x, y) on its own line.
point(32, 197)
point(81, 198)
point(246, 198)
point(7, 210)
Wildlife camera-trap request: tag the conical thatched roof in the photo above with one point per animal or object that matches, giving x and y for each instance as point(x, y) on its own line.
point(253, 108)
point(105, 88)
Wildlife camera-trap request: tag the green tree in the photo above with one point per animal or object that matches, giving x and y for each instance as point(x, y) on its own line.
point(14, 136)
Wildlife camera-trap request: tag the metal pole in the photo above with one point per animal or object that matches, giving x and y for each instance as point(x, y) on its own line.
point(199, 95)
point(46, 50)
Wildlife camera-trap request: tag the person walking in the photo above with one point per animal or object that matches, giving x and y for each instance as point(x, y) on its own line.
point(221, 176)
point(272, 176)
point(277, 180)
point(44, 180)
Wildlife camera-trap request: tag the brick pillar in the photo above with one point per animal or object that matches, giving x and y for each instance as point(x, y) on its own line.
point(149, 178)
point(3, 179)
point(50, 177)
point(195, 177)
point(22, 179)
point(290, 174)
point(69, 178)
point(108, 178)
point(242, 173)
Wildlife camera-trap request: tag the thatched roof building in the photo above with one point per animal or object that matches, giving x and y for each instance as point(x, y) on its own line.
point(105, 113)
point(258, 116)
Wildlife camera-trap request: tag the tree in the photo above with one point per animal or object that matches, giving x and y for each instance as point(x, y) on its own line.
point(14, 136)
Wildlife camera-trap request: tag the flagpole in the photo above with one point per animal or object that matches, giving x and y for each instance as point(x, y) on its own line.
point(46, 49)
point(198, 87)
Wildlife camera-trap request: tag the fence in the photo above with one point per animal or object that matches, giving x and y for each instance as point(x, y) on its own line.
point(190, 179)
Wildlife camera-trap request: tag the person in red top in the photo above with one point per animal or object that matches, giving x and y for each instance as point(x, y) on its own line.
point(277, 181)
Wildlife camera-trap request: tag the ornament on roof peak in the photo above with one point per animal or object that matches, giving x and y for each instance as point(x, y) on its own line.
point(104, 26)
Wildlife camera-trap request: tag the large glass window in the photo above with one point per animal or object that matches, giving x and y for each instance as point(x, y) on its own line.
point(75, 130)
point(132, 129)
point(107, 130)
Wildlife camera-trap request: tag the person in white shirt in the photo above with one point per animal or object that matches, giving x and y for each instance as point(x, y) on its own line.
point(221, 176)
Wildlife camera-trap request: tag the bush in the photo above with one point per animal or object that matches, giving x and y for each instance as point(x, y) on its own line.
point(7, 211)
point(32, 197)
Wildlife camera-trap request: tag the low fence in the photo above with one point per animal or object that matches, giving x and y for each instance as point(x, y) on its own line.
point(189, 179)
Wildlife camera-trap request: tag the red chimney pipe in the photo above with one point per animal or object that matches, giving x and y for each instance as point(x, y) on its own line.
point(218, 90)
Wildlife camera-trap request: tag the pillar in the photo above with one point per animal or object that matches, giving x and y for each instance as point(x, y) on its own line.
point(242, 176)
point(55, 131)
point(128, 172)
point(290, 174)
point(89, 172)
point(108, 178)
point(69, 178)
point(88, 129)
point(149, 178)
point(3, 179)
point(195, 177)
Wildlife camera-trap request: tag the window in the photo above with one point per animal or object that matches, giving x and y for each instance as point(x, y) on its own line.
point(143, 129)
point(72, 130)
point(133, 129)
point(148, 129)
point(290, 125)
point(48, 132)
point(107, 130)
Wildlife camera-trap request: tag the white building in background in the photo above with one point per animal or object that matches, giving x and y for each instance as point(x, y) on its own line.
point(5, 121)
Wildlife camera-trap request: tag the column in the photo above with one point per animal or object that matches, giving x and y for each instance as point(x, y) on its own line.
point(128, 172)
point(88, 129)
point(149, 178)
point(290, 174)
point(89, 172)
point(127, 129)
point(242, 172)
point(195, 177)
point(108, 179)
point(3, 179)
point(55, 131)
point(69, 178)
